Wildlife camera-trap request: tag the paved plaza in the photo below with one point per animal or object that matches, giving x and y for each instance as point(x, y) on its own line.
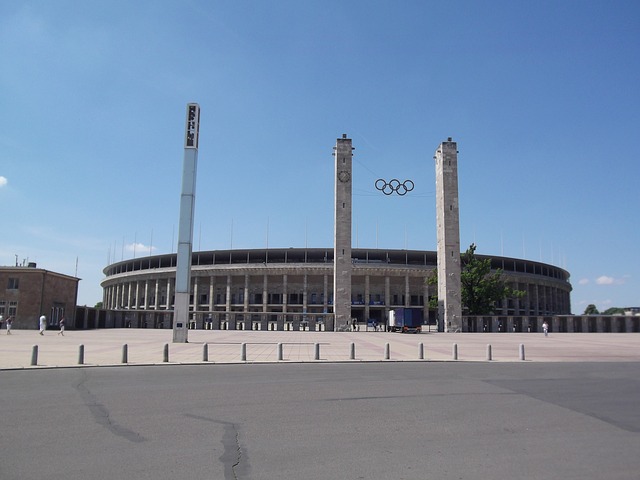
point(147, 347)
point(569, 410)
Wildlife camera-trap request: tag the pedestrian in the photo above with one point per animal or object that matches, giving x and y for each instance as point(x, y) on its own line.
point(9, 322)
point(61, 323)
point(545, 328)
point(0, 321)
point(43, 324)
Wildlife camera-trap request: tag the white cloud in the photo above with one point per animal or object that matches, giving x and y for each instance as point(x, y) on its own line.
point(3, 181)
point(139, 248)
point(583, 281)
point(606, 280)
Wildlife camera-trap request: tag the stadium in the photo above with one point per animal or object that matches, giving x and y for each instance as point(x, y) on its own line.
point(292, 288)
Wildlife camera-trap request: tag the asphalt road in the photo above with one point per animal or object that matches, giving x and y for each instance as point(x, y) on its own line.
point(323, 421)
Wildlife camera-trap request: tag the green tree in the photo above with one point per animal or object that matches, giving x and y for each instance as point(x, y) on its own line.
point(481, 288)
point(98, 305)
point(613, 311)
point(591, 310)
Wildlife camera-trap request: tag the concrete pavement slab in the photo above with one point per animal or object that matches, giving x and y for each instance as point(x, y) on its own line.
point(105, 347)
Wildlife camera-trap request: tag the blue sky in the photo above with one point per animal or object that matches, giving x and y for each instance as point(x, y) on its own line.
point(542, 98)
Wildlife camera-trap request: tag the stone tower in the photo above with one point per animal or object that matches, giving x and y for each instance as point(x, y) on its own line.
point(448, 227)
point(342, 233)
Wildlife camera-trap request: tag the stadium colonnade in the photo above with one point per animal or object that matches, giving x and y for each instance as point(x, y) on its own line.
point(292, 288)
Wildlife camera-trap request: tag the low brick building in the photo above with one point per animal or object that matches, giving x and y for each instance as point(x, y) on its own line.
point(28, 292)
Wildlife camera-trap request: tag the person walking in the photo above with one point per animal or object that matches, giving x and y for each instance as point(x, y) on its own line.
point(545, 328)
point(43, 324)
point(9, 322)
point(61, 323)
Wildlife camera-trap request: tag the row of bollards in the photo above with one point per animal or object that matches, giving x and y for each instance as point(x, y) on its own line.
point(280, 356)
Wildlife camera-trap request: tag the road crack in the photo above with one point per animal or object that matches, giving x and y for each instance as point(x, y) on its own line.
point(234, 457)
point(101, 414)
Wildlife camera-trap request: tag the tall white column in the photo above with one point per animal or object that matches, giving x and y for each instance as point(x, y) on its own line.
point(211, 292)
point(265, 294)
point(246, 293)
point(185, 230)
point(146, 295)
point(448, 233)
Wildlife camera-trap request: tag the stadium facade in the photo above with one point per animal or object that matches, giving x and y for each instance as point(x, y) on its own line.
point(274, 289)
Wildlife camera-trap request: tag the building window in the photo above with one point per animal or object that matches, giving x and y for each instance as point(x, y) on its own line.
point(274, 298)
point(13, 309)
point(13, 284)
point(2, 307)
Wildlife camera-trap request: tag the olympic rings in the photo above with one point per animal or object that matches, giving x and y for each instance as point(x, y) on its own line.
point(394, 185)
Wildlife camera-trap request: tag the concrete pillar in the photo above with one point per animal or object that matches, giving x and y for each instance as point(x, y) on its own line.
point(285, 293)
point(211, 292)
point(195, 296)
point(342, 266)
point(227, 307)
point(146, 295)
point(156, 300)
point(387, 300)
point(407, 292)
point(265, 294)
point(245, 306)
point(425, 295)
point(495, 327)
point(509, 326)
point(305, 294)
point(325, 294)
point(128, 303)
point(628, 324)
point(448, 234)
point(367, 298)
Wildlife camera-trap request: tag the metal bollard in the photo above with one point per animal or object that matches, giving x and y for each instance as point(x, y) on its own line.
point(205, 352)
point(125, 353)
point(81, 355)
point(352, 352)
point(489, 356)
point(243, 352)
point(522, 351)
point(421, 351)
point(34, 355)
point(455, 351)
point(317, 351)
point(280, 356)
point(165, 353)
point(387, 352)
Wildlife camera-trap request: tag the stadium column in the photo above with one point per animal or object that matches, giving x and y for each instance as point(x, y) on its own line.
point(342, 232)
point(185, 229)
point(448, 233)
